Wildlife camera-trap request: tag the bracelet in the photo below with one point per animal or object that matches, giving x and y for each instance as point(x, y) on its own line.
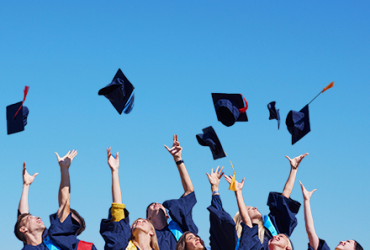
point(179, 162)
point(215, 192)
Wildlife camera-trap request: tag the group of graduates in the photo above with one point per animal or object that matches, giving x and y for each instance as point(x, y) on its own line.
point(248, 230)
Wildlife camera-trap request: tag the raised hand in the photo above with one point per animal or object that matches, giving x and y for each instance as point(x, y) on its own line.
point(176, 149)
point(113, 162)
point(306, 195)
point(27, 178)
point(65, 161)
point(294, 163)
point(214, 178)
point(239, 186)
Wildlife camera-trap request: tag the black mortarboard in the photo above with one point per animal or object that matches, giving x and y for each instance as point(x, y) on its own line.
point(298, 123)
point(17, 123)
point(274, 113)
point(230, 108)
point(209, 138)
point(119, 92)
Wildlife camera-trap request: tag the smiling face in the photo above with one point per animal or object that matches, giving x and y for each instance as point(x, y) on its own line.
point(155, 209)
point(31, 224)
point(254, 214)
point(193, 242)
point(280, 241)
point(346, 245)
point(142, 225)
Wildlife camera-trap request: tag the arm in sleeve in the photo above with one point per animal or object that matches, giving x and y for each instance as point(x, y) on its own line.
point(222, 227)
point(322, 245)
point(181, 212)
point(63, 234)
point(283, 212)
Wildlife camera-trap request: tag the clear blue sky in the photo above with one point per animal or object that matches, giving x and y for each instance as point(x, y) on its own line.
point(176, 53)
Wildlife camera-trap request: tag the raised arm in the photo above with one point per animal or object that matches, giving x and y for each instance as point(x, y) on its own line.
point(243, 210)
point(64, 194)
point(176, 151)
point(294, 163)
point(214, 180)
point(310, 228)
point(114, 166)
point(27, 181)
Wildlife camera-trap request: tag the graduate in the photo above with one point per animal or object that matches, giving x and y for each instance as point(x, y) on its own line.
point(222, 227)
point(281, 221)
point(67, 221)
point(314, 242)
point(180, 210)
point(116, 229)
point(30, 229)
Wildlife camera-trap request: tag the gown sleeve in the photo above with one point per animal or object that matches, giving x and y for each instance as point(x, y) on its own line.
point(283, 212)
point(181, 212)
point(63, 234)
point(222, 227)
point(322, 245)
point(116, 234)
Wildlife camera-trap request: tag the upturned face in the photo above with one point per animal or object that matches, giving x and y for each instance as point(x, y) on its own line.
point(143, 225)
point(279, 241)
point(253, 213)
point(346, 245)
point(154, 209)
point(193, 242)
point(31, 224)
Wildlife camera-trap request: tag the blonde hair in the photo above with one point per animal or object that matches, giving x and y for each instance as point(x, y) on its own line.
point(261, 228)
point(153, 239)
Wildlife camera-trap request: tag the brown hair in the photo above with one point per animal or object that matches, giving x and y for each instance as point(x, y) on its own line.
point(153, 239)
point(181, 244)
point(80, 221)
point(18, 225)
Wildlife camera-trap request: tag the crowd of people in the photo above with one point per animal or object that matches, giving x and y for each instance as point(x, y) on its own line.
point(248, 230)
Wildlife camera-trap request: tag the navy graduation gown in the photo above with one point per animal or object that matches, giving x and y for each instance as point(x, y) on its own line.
point(180, 211)
point(116, 234)
point(322, 245)
point(283, 216)
point(65, 234)
point(222, 227)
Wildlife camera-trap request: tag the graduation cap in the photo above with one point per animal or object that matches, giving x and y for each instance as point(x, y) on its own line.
point(230, 108)
point(274, 114)
point(120, 93)
point(298, 123)
point(16, 115)
point(209, 138)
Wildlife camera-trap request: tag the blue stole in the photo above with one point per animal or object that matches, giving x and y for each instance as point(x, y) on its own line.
point(268, 224)
point(237, 244)
point(49, 244)
point(175, 230)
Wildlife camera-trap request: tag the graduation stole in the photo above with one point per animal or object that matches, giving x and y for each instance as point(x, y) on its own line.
point(131, 246)
point(49, 244)
point(83, 245)
point(268, 224)
point(175, 230)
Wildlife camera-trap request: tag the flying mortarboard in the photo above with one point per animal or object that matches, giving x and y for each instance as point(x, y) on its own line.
point(274, 113)
point(16, 115)
point(230, 108)
point(120, 93)
point(209, 138)
point(298, 123)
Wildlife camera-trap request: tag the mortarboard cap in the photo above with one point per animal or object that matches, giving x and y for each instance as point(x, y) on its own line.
point(209, 138)
point(298, 124)
point(230, 108)
point(274, 113)
point(17, 123)
point(120, 93)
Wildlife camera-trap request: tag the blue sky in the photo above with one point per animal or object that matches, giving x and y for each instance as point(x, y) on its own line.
point(176, 53)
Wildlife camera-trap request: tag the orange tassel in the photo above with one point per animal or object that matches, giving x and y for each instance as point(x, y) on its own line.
point(328, 87)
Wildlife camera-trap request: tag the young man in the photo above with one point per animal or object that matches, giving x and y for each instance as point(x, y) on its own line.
point(66, 221)
point(314, 242)
point(180, 210)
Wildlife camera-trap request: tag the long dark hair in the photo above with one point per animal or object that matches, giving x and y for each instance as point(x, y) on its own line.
point(181, 244)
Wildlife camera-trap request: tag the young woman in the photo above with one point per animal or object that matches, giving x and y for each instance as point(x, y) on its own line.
point(116, 230)
point(314, 242)
point(281, 221)
point(222, 227)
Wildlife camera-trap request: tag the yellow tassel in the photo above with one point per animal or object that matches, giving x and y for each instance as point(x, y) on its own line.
point(232, 184)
